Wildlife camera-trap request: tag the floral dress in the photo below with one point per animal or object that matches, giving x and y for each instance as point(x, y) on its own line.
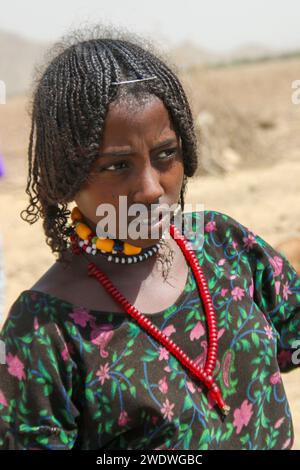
point(76, 378)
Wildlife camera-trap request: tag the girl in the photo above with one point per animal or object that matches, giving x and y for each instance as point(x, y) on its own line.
point(139, 343)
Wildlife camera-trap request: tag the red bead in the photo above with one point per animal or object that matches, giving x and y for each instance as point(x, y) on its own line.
point(206, 373)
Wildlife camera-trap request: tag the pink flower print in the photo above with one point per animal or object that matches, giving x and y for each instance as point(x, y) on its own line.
point(242, 415)
point(169, 330)
point(197, 331)
point(277, 264)
point(154, 419)
point(210, 401)
point(167, 369)
point(222, 262)
point(163, 354)
point(103, 373)
point(200, 360)
point(101, 336)
point(200, 388)
point(269, 331)
point(35, 324)
point(15, 366)
point(167, 409)
point(81, 316)
point(65, 354)
point(221, 332)
point(277, 287)
point(286, 444)
point(233, 276)
point(234, 244)
point(163, 385)
point(251, 288)
point(275, 378)
point(228, 360)
point(123, 418)
point(190, 386)
point(210, 226)
point(249, 241)
point(237, 293)
point(3, 400)
point(223, 292)
point(286, 291)
point(279, 422)
point(284, 358)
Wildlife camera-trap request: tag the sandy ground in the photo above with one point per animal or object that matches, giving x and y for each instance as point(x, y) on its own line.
point(264, 198)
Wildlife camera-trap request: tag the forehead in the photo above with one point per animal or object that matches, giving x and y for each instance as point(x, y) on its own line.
point(128, 120)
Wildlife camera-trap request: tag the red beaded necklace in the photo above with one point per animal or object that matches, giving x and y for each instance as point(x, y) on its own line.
point(205, 373)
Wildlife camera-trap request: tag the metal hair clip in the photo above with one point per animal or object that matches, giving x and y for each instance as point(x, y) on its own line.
point(132, 81)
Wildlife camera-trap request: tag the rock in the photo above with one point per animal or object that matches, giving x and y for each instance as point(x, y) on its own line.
point(230, 159)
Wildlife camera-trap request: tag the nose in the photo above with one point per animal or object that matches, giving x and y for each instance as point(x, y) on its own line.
point(147, 188)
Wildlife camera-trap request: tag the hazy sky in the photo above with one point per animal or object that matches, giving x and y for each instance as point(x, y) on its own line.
point(218, 25)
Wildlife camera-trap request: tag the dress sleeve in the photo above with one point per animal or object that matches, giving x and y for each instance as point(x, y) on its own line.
point(277, 293)
point(36, 406)
point(275, 288)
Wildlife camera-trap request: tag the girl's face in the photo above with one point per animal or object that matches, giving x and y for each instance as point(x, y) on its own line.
point(140, 157)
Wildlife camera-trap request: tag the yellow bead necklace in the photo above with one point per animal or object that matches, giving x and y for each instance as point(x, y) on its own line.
point(116, 251)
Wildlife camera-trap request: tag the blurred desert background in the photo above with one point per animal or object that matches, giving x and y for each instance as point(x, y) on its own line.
point(249, 154)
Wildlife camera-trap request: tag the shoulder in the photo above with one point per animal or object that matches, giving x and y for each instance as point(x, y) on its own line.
point(210, 215)
point(34, 312)
point(223, 230)
point(57, 276)
point(222, 238)
point(33, 334)
point(212, 224)
point(42, 303)
point(62, 281)
point(223, 226)
point(236, 242)
point(220, 220)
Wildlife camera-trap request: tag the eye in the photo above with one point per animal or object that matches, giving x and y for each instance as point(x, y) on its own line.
point(171, 153)
point(115, 165)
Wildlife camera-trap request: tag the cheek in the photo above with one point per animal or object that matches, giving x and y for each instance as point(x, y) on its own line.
point(90, 197)
point(175, 178)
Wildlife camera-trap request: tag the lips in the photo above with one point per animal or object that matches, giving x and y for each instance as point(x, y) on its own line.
point(152, 219)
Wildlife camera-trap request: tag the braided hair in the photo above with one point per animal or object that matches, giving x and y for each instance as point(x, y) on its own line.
point(71, 95)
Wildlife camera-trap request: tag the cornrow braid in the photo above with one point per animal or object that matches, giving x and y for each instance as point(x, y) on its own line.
point(71, 96)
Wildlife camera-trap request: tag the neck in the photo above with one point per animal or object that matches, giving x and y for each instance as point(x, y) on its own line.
point(151, 267)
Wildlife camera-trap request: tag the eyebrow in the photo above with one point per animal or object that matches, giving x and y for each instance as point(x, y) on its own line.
point(125, 153)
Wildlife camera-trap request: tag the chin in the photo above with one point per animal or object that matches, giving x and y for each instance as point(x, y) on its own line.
point(144, 243)
point(151, 238)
